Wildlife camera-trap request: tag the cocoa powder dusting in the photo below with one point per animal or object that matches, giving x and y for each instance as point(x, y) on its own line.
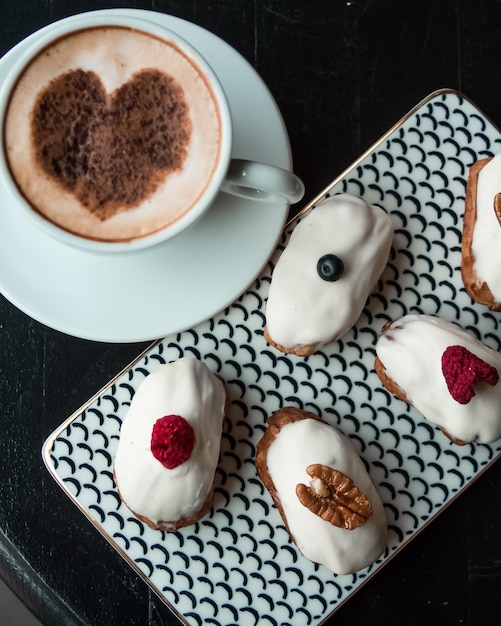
point(111, 151)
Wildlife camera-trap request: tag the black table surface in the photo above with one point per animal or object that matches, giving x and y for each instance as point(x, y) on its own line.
point(342, 73)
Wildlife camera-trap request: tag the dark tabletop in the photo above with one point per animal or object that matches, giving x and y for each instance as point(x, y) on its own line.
point(342, 72)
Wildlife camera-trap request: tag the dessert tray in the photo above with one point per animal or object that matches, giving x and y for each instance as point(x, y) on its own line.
point(238, 565)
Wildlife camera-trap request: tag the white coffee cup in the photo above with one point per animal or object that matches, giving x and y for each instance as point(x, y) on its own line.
point(41, 163)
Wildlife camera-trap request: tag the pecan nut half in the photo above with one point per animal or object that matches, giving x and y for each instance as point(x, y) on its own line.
point(497, 206)
point(334, 497)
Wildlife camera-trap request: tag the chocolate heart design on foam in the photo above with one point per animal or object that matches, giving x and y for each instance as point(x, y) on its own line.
point(462, 370)
point(111, 151)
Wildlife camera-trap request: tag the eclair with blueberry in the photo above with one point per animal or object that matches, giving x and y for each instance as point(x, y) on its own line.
point(446, 373)
point(330, 265)
point(169, 445)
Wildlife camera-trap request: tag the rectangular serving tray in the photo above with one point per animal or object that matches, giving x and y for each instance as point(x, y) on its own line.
point(238, 564)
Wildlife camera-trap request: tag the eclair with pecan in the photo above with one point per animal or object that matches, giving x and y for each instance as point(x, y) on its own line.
point(322, 490)
point(481, 237)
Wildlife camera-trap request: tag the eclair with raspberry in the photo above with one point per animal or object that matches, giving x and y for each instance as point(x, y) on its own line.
point(448, 375)
point(322, 490)
point(169, 445)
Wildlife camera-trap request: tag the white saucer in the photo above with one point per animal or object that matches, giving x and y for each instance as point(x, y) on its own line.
point(181, 283)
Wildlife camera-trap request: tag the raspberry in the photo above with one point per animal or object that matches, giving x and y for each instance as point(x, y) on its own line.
point(172, 440)
point(462, 370)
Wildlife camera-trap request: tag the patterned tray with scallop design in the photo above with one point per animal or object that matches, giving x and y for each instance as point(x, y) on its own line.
point(238, 565)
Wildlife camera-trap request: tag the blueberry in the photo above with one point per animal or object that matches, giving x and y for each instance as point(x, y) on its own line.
point(330, 267)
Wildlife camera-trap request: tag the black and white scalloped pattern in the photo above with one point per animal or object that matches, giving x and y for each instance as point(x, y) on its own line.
point(238, 565)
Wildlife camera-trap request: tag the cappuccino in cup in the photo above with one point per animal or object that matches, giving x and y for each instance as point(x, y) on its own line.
point(117, 135)
point(114, 133)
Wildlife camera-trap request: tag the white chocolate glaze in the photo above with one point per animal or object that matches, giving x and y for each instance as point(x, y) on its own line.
point(187, 388)
point(310, 441)
point(304, 309)
point(486, 240)
point(411, 349)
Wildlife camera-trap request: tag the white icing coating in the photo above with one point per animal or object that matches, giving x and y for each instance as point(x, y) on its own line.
point(304, 309)
point(309, 441)
point(411, 351)
point(187, 388)
point(486, 240)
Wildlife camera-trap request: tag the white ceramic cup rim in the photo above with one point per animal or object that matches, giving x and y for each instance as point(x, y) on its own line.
point(47, 36)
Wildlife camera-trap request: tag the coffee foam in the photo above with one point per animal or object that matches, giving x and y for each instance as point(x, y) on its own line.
point(115, 55)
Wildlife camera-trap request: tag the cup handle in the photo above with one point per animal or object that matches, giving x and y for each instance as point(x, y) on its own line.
point(262, 182)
